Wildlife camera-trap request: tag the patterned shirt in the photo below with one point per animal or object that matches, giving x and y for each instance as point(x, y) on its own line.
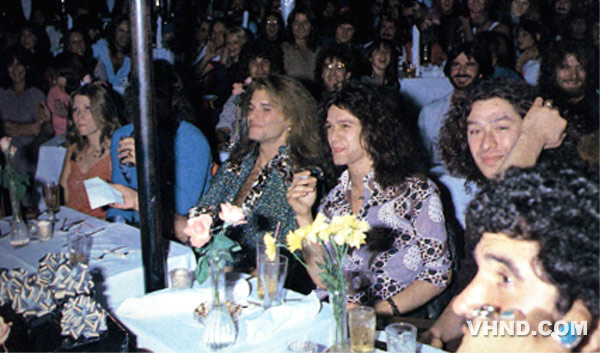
point(264, 206)
point(407, 240)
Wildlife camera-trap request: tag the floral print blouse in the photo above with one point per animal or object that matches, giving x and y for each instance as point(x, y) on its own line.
point(407, 240)
point(264, 206)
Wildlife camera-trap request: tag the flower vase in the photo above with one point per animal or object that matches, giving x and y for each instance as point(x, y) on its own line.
point(219, 329)
point(19, 232)
point(337, 299)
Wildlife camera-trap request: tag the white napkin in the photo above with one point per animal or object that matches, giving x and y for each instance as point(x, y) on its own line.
point(277, 318)
point(100, 193)
point(166, 302)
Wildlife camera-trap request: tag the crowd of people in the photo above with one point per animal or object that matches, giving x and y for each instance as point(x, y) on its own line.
point(483, 204)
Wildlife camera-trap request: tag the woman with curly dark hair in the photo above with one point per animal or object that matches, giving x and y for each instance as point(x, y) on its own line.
point(406, 261)
point(90, 126)
point(498, 124)
point(535, 239)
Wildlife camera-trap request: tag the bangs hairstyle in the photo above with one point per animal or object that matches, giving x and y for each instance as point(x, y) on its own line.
point(394, 153)
point(104, 112)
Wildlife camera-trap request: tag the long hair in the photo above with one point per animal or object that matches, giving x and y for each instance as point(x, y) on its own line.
point(104, 113)
point(312, 38)
point(25, 58)
point(394, 152)
point(111, 32)
point(306, 145)
point(391, 72)
point(452, 142)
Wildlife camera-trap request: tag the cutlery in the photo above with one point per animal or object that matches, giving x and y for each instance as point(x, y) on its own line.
point(106, 252)
point(66, 228)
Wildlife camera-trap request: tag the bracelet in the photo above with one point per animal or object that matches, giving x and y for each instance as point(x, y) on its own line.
point(395, 310)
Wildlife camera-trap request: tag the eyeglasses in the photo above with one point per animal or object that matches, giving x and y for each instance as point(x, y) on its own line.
point(272, 22)
point(338, 67)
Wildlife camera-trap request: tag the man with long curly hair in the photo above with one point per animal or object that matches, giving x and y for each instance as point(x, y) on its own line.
point(535, 240)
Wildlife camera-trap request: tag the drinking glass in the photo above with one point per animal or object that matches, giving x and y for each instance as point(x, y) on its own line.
point(45, 230)
point(260, 252)
point(401, 337)
point(80, 247)
point(361, 321)
point(51, 198)
point(272, 274)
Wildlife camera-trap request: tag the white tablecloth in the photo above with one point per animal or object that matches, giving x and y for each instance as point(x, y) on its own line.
point(121, 276)
point(425, 90)
point(163, 322)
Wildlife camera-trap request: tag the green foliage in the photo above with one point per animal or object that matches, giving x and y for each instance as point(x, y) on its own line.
point(219, 246)
point(20, 180)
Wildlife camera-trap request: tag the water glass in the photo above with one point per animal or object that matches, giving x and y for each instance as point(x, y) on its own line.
point(361, 321)
point(260, 252)
point(45, 230)
point(80, 247)
point(181, 278)
point(401, 337)
point(272, 274)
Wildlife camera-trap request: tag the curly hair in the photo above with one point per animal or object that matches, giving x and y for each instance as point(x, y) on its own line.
point(306, 145)
point(555, 205)
point(394, 152)
point(104, 113)
point(476, 50)
point(452, 142)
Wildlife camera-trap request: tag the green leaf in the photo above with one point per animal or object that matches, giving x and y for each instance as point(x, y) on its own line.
point(202, 269)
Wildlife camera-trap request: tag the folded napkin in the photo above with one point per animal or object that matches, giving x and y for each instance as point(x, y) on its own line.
point(166, 302)
point(274, 319)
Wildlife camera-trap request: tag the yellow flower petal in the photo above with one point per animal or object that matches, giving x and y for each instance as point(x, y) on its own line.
point(294, 240)
point(270, 248)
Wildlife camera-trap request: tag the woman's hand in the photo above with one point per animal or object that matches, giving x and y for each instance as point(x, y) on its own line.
point(130, 198)
point(301, 195)
point(126, 150)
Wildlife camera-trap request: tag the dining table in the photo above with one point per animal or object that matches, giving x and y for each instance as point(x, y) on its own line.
point(164, 321)
point(115, 261)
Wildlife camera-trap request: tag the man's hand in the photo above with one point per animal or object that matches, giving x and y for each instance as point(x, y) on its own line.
point(544, 124)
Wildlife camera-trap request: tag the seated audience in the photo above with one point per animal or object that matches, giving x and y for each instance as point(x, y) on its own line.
point(258, 59)
point(530, 41)
point(76, 43)
point(91, 124)
point(185, 158)
point(114, 53)
point(21, 107)
point(535, 240)
point(282, 137)
point(406, 261)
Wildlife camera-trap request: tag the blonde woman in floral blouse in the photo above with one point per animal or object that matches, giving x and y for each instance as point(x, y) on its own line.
point(406, 261)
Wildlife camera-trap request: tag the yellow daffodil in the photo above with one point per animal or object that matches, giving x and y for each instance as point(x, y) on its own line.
point(270, 247)
point(357, 237)
point(321, 228)
point(294, 240)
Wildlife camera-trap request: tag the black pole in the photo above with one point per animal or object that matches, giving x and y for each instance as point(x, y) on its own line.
point(151, 226)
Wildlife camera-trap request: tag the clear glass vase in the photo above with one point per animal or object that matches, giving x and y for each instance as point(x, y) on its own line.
point(219, 329)
point(19, 232)
point(337, 299)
